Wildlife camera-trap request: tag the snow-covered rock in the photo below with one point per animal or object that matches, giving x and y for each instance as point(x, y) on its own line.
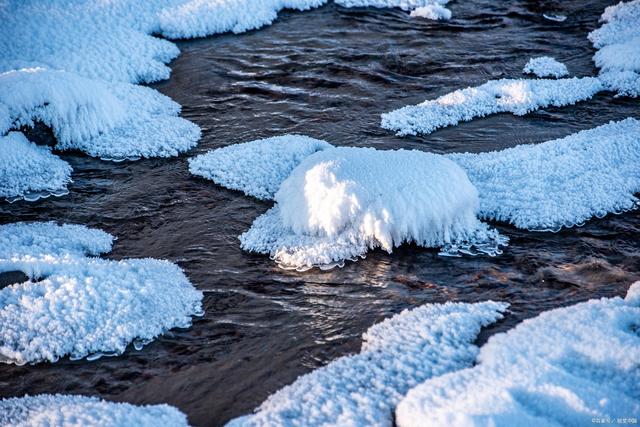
point(76, 411)
point(618, 44)
point(575, 365)
point(559, 183)
point(516, 96)
point(396, 355)
point(30, 172)
point(256, 168)
point(545, 66)
point(78, 306)
point(341, 202)
point(432, 11)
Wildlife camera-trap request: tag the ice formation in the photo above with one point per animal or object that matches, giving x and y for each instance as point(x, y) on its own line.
point(396, 355)
point(516, 96)
point(78, 306)
point(559, 183)
point(256, 168)
point(618, 44)
point(545, 66)
point(73, 410)
point(28, 171)
point(432, 11)
point(569, 366)
point(341, 202)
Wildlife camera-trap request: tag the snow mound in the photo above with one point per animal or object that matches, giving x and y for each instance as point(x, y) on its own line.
point(30, 172)
point(567, 366)
point(341, 202)
point(545, 66)
point(618, 44)
point(257, 168)
point(396, 354)
point(559, 183)
point(199, 18)
point(80, 307)
point(107, 120)
point(432, 11)
point(516, 96)
point(68, 410)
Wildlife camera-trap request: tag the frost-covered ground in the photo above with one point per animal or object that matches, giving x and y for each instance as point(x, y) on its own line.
point(80, 306)
point(66, 411)
point(545, 66)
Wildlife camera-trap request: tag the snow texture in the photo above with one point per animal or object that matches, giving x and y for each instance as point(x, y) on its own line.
point(618, 45)
point(559, 183)
point(30, 172)
point(78, 306)
point(396, 355)
point(341, 202)
point(565, 367)
point(432, 11)
point(402, 4)
point(77, 411)
point(256, 168)
point(545, 66)
point(516, 96)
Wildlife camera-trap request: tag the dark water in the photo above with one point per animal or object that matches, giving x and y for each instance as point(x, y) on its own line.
point(329, 74)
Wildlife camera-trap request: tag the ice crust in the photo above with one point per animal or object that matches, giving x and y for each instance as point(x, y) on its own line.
point(256, 168)
point(567, 366)
point(516, 96)
point(396, 355)
point(559, 183)
point(341, 202)
point(28, 171)
point(79, 306)
point(618, 48)
point(545, 66)
point(432, 11)
point(76, 411)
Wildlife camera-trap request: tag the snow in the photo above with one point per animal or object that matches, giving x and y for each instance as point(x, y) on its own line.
point(402, 4)
point(432, 11)
point(618, 48)
point(256, 168)
point(566, 366)
point(559, 183)
point(30, 172)
point(78, 306)
point(341, 202)
point(73, 410)
point(516, 96)
point(545, 66)
point(397, 354)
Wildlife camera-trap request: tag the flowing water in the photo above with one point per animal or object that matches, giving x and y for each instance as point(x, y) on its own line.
point(328, 73)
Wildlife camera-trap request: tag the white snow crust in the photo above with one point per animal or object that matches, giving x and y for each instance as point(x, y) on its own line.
point(79, 411)
point(545, 66)
point(396, 355)
point(30, 172)
point(516, 96)
point(256, 168)
point(559, 183)
point(432, 11)
point(618, 45)
point(78, 306)
point(567, 366)
point(341, 202)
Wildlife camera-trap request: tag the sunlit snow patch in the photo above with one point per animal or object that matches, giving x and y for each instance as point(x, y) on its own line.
point(559, 183)
point(72, 410)
point(516, 96)
point(397, 354)
point(545, 66)
point(432, 11)
point(256, 168)
point(341, 202)
point(30, 172)
point(567, 366)
point(618, 44)
point(78, 306)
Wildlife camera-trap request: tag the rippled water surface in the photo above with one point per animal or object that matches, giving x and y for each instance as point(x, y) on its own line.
point(328, 73)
